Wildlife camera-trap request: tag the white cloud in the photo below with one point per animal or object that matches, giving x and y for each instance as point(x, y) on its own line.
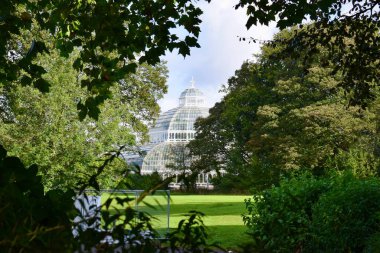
point(221, 52)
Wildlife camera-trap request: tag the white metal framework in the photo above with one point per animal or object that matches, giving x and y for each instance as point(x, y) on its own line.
point(173, 130)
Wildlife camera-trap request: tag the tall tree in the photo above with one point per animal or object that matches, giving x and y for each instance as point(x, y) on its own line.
point(111, 35)
point(45, 129)
point(349, 30)
point(280, 116)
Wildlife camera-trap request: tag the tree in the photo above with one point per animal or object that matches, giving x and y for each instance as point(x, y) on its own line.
point(45, 129)
point(114, 39)
point(111, 36)
point(180, 162)
point(278, 118)
point(212, 129)
point(348, 29)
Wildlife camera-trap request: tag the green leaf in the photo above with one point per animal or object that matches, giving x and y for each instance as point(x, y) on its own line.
point(36, 70)
point(130, 68)
point(3, 152)
point(42, 85)
point(25, 80)
point(183, 49)
point(82, 111)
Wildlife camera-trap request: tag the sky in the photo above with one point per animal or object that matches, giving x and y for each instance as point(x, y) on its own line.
point(220, 54)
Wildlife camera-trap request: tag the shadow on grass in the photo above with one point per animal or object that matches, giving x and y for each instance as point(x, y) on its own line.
point(229, 237)
point(210, 209)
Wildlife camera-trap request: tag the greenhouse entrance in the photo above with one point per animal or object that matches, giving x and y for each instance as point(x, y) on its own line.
point(203, 181)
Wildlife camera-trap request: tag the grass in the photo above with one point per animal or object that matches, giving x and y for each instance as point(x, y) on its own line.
point(223, 215)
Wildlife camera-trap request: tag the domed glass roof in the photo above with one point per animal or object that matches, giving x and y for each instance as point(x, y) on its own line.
point(191, 92)
point(178, 124)
point(191, 97)
point(163, 157)
point(174, 127)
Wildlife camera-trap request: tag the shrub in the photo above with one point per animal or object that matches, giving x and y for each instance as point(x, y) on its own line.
point(347, 217)
point(31, 220)
point(229, 183)
point(338, 214)
point(279, 218)
point(143, 182)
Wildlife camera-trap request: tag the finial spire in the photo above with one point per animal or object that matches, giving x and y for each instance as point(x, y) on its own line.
point(192, 82)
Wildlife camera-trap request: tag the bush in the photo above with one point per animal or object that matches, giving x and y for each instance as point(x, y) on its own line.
point(229, 183)
point(144, 182)
point(338, 214)
point(347, 217)
point(279, 218)
point(31, 220)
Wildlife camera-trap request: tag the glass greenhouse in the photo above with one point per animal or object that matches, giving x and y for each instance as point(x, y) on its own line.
point(168, 154)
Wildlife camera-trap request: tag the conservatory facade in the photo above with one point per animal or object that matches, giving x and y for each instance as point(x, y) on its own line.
point(167, 153)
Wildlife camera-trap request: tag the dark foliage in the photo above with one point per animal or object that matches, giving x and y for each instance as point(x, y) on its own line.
point(349, 29)
point(111, 36)
point(31, 220)
point(305, 214)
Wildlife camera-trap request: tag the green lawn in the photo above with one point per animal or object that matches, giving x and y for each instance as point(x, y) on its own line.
point(223, 215)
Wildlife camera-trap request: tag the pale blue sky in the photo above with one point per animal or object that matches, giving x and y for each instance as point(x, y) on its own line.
point(221, 52)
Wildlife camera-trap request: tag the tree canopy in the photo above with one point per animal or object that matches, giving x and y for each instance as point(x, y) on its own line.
point(111, 36)
point(280, 116)
point(43, 127)
point(348, 29)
